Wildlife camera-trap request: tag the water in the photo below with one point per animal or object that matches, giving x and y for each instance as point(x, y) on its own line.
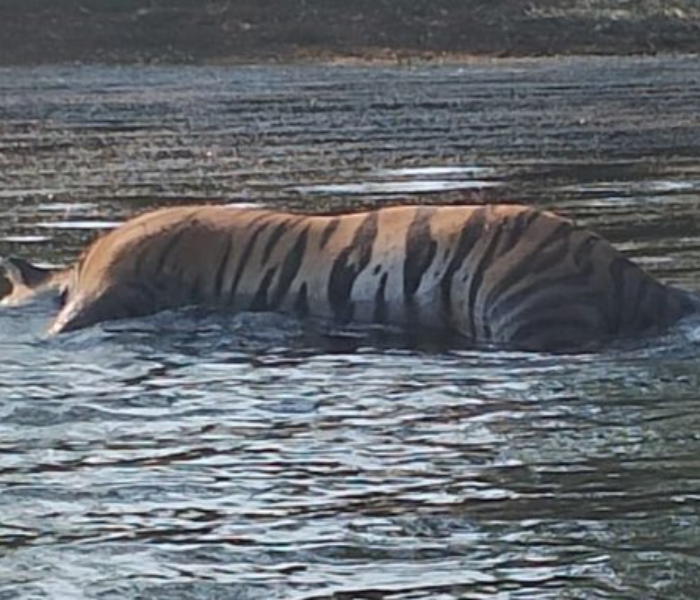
point(197, 456)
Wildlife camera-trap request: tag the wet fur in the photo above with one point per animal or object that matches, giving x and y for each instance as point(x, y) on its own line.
point(505, 274)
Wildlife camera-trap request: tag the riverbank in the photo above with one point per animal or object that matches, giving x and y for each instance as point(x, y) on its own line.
point(246, 31)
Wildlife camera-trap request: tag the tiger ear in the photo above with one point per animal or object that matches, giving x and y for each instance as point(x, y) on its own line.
point(22, 280)
point(21, 272)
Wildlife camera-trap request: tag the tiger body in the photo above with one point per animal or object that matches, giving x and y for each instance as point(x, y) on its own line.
point(504, 274)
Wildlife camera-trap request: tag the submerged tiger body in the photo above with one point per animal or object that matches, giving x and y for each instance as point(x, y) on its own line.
point(505, 274)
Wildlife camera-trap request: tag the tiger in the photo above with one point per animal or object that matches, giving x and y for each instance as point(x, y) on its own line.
point(501, 275)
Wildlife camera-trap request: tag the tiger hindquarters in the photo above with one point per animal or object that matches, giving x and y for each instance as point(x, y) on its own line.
point(580, 319)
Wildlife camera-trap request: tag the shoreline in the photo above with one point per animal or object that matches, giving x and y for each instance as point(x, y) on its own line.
point(37, 32)
point(340, 60)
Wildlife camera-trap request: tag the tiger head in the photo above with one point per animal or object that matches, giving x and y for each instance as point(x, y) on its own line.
point(117, 276)
point(82, 301)
point(21, 281)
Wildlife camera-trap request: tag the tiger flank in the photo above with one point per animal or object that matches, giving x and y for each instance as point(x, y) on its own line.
point(502, 275)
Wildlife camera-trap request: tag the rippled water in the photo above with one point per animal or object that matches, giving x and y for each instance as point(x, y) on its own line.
point(195, 456)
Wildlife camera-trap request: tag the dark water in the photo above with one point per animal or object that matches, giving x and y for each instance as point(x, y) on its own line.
point(190, 456)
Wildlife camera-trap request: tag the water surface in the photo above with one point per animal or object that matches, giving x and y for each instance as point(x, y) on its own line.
point(196, 456)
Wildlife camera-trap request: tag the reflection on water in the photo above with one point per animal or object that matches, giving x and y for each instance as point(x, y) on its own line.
point(197, 456)
point(385, 184)
point(386, 188)
point(77, 224)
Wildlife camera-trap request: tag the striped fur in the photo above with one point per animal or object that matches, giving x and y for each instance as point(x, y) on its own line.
point(506, 275)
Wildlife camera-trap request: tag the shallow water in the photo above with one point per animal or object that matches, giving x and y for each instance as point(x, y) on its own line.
point(195, 456)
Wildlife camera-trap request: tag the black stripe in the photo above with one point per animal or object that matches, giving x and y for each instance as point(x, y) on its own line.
point(329, 230)
point(676, 303)
point(343, 274)
point(584, 253)
point(275, 236)
point(485, 262)
point(656, 304)
point(136, 299)
point(469, 236)
point(245, 255)
point(550, 323)
point(260, 301)
point(223, 267)
point(637, 318)
point(290, 268)
point(542, 262)
point(520, 303)
point(516, 227)
point(649, 308)
point(420, 251)
point(170, 246)
point(172, 243)
point(583, 260)
point(301, 304)
point(195, 290)
point(524, 268)
point(380, 307)
point(687, 302)
point(537, 261)
point(616, 271)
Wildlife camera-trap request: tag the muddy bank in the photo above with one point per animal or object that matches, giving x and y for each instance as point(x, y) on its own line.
point(223, 31)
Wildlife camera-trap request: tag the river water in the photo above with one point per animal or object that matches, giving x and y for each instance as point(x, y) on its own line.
point(200, 456)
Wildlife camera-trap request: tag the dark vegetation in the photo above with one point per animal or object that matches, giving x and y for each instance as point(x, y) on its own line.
point(216, 31)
